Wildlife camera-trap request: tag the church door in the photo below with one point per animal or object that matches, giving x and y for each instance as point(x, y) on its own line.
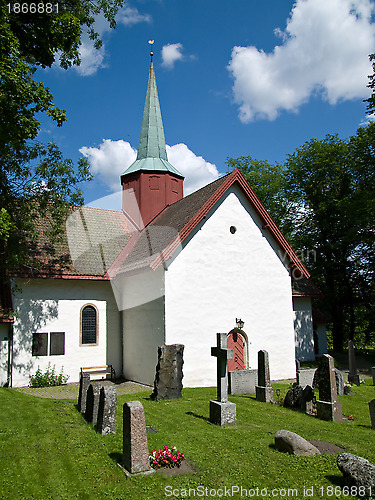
point(237, 343)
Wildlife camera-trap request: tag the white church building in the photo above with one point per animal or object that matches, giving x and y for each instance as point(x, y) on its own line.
point(165, 269)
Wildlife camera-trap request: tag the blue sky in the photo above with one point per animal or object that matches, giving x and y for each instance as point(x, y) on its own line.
point(235, 78)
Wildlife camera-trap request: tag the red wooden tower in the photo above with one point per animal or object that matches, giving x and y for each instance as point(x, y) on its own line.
point(151, 183)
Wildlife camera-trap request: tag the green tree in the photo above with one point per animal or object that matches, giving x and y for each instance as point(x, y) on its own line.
point(35, 180)
point(268, 183)
point(323, 199)
point(371, 100)
point(332, 183)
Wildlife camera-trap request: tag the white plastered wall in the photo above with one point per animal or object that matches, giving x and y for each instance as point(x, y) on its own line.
point(143, 323)
point(219, 276)
point(54, 305)
point(303, 327)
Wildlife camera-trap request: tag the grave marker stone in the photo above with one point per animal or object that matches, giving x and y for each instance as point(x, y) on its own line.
point(306, 400)
point(242, 381)
point(373, 374)
point(107, 410)
point(353, 377)
point(372, 412)
point(328, 407)
point(222, 412)
point(92, 403)
point(306, 377)
point(264, 391)
point(135, 449)
point(168, 378)
point(84, 382)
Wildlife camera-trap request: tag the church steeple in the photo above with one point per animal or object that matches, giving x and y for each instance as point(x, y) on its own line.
point(152, 141)
point(153, 181)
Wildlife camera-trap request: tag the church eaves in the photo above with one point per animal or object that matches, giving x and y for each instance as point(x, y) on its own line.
point(152, 153)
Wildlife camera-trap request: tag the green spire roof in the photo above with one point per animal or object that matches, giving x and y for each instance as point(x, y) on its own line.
point(152, 153)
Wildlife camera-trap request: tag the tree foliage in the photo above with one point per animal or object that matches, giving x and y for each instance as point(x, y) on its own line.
point(35, 179)
point(371, 100)
point(326, 189)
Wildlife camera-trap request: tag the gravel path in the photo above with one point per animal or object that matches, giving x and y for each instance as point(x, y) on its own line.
point(70, 391)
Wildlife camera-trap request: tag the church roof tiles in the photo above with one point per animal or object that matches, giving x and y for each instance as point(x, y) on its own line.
point(100, 244)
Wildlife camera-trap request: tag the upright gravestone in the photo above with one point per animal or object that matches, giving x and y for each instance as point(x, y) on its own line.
point(372, 412)
point(306, 400)
point(353, 377)
point(264, 391)
point(222, 412)
point(339, 380)
point(107, 410)
point(373, 374)
point(84, 382)
point(328, 407)
point(92, 403)
point(135, 456)
point(168, 378)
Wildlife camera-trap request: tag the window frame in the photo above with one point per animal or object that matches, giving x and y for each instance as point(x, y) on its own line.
point(84, 344)
point(50, 344)
point(33, 343)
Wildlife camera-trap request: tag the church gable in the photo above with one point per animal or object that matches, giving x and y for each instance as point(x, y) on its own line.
point(230, 267)
point(159, 241)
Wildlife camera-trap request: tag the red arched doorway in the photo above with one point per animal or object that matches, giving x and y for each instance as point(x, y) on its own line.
point(236, 341)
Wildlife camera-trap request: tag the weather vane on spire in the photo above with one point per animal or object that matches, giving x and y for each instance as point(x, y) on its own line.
point(151, 42)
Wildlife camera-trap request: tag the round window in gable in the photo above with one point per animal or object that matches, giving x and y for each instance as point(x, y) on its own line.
point(232, 229)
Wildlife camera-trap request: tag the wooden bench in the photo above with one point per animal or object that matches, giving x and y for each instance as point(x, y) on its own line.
point(99, 370)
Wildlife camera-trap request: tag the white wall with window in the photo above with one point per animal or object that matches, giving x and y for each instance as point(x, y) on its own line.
point(64, 323)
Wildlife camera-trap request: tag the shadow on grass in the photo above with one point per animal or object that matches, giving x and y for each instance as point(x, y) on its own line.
point(336, 480)
point(116, 457)
point(246, 396)
point(197, 416)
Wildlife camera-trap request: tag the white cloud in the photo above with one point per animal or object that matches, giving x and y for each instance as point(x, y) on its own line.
point(93, 59)
point(171, 53)
point(324, 49)
point(112, 158)
point(129, 16)
point(367, 120)
point(197, 171)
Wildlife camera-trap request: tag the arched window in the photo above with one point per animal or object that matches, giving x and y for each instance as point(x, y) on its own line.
point(89, 325)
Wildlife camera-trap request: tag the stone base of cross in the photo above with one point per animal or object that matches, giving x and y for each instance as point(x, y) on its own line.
point(222, 412)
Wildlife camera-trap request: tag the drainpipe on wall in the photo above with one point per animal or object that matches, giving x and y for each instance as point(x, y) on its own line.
point(10, 356)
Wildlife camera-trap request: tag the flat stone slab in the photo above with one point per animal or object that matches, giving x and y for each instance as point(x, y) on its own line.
point(290, 442)
point(185, 468)
point(357, 471)
point(326, 448)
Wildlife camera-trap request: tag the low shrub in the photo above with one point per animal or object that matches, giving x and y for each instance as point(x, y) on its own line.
point(48, 378)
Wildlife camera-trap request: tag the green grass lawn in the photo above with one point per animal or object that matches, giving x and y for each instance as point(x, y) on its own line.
point(47, 451)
